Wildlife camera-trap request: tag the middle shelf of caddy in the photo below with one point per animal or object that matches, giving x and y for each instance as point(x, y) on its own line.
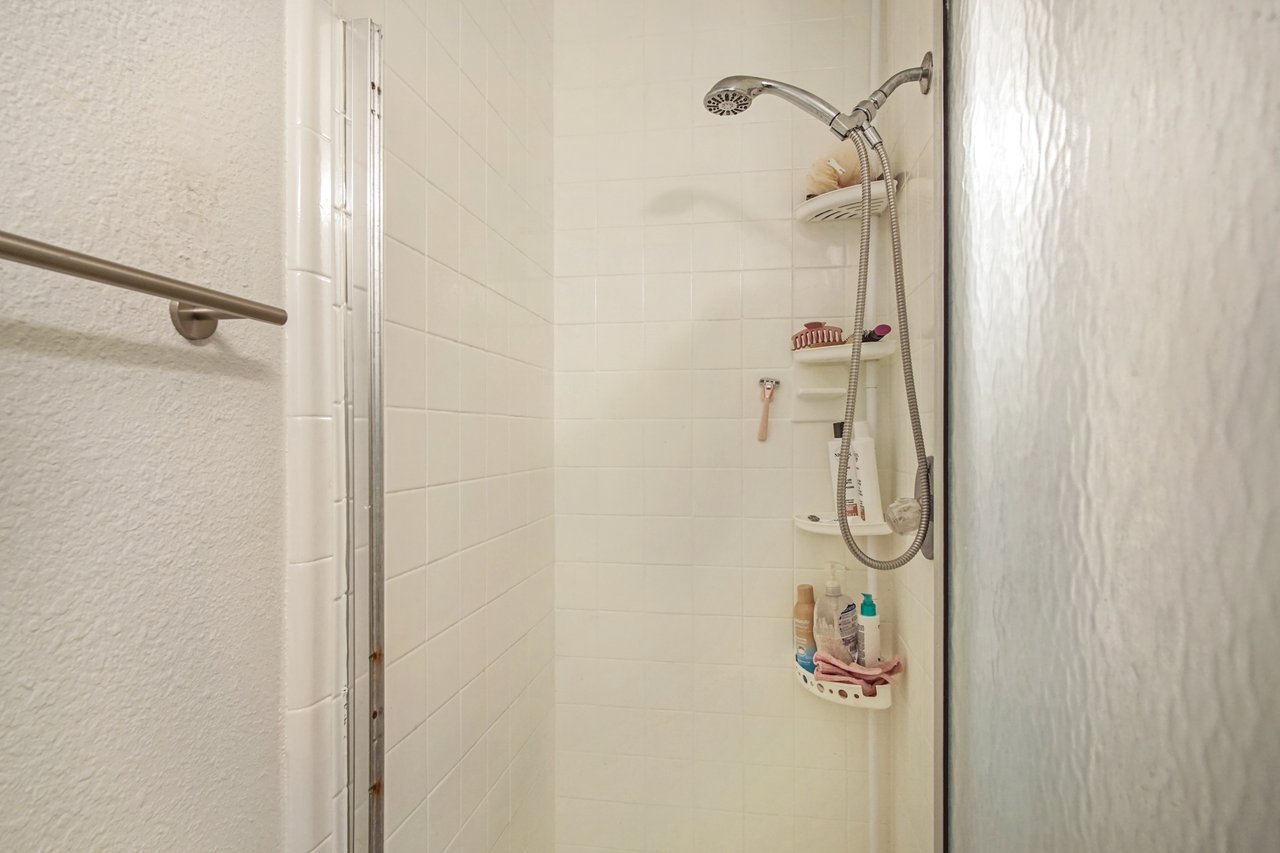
point(823, 389)
point(826, 525)
point(839, 353)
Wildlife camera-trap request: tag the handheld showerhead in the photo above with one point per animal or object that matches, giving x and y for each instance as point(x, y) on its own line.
point(733, 95)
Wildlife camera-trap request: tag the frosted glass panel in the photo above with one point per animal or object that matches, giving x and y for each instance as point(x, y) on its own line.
point(1114, 445)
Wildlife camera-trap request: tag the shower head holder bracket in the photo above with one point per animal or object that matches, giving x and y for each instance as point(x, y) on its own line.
point(861, 116)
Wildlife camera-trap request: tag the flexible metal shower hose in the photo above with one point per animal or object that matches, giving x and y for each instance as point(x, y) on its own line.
point(923, 486)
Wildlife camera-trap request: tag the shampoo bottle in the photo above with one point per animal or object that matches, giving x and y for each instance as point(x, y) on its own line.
point(826, 618)
point(868, 632)
point(862, 465)
point(803, 617)
point(853, 494)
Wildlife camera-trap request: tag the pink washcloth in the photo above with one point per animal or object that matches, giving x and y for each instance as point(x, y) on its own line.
point(866, 677)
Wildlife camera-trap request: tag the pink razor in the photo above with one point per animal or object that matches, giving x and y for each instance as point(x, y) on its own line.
point(767, 387)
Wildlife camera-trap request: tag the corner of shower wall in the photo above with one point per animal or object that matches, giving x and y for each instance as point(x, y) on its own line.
point(911, 126)
point(315, 774)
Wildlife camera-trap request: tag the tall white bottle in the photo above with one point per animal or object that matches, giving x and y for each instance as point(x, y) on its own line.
point(852, 494)
point(862, 455)
point(862, 489)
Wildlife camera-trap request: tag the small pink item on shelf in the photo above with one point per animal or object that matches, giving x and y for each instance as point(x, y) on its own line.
point(828, 668)
point(817, 334)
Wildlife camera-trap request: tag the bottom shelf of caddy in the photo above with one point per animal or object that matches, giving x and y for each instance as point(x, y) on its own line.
point(850, 695)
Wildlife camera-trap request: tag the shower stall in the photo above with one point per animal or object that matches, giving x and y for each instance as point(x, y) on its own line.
point(607, 457)
point(582, 630)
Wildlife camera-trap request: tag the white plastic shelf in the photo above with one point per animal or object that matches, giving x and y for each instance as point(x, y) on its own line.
point(849, 695)
point(872, 351)
point(832, 528)
point(821, 393)
point(842, 204)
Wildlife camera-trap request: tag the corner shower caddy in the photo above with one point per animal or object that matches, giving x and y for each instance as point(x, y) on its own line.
point(849, 695)
point(835, 206)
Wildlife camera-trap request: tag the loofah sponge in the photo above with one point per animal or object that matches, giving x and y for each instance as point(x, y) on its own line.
point(838, 169)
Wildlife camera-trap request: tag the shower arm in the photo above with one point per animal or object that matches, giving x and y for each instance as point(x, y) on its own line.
point(864, 113)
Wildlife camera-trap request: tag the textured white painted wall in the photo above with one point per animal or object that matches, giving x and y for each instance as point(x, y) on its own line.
point(141, 514)
point(1116, 426)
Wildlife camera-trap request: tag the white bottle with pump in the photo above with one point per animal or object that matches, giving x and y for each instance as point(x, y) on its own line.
point(826, 618)
point(868, 632)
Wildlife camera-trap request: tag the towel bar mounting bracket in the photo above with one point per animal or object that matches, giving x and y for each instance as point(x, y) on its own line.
point(194, 322)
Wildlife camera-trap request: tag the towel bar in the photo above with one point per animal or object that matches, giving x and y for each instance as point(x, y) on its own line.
point(194, 310)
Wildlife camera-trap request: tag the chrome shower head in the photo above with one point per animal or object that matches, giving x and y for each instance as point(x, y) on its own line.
point(733, 95)
point(727, 102)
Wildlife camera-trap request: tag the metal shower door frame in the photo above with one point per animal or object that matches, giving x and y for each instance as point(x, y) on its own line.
point(358, 242)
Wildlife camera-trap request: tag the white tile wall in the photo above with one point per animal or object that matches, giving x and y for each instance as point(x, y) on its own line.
point(680, 278)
